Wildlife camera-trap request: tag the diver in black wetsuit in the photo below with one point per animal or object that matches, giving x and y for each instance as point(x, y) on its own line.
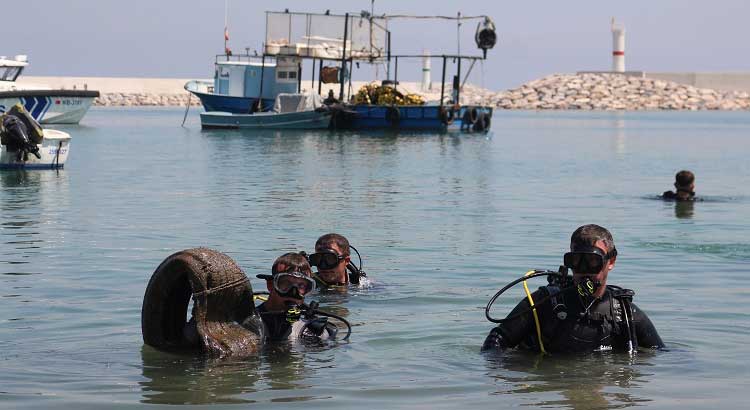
point(581, 314)
point(685, 187)
point(333, 259)
point(290, 281)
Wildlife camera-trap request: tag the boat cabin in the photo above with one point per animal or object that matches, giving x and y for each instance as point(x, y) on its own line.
point(267, 79)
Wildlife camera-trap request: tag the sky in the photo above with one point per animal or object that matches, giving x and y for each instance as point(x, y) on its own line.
point(180, 38)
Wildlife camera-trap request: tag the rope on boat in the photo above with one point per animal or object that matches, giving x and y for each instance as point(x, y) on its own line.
point(190, 95)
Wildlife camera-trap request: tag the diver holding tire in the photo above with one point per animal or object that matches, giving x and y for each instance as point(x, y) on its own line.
point(225, 320)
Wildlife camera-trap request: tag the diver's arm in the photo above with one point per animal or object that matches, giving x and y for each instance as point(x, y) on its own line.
point(510, 333)
point(645, 330)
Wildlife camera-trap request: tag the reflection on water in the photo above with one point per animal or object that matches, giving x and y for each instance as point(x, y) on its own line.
point(599, 381)
point(31, 201)
point(180, 379)
point(684, 209)
point(176, 379)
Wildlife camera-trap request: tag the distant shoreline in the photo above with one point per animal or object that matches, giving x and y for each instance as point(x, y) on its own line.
point(583, 91)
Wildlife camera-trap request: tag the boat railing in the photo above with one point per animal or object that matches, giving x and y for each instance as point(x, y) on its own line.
point(246, 57)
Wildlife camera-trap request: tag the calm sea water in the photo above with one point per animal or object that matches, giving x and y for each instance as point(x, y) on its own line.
point(443, 221)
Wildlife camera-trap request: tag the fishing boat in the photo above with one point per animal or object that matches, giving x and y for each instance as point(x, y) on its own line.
point(45, 105)
point(245, 86)
point(291, 111)
point(24, 144)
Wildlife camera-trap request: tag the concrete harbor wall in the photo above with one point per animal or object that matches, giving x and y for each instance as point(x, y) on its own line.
point(717, 81)
point(582, 91)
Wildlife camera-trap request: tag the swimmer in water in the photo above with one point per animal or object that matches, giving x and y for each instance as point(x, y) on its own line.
point(685, 187)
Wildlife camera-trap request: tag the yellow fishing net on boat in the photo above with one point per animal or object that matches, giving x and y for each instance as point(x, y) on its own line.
point(374, 94)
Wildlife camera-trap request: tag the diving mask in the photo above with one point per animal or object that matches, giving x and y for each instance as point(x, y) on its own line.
point(326, 259)
point(293, 284)
point(587, 259)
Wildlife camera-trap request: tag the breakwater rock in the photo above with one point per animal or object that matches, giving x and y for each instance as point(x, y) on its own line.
point(614, 92)
point(588, 91)
point(144, 99)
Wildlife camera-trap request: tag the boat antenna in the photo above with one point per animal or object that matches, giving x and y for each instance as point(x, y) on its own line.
point(458, 33)
point(226, 26)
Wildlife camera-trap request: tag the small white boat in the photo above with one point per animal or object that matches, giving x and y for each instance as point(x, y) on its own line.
point(24, 144)
point(46, 105)
point(53, 151)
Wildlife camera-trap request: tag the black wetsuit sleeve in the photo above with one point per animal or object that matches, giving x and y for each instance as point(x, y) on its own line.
point(645, 330)
point(512, 332)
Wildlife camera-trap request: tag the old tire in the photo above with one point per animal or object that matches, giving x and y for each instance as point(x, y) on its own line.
point(223, 298)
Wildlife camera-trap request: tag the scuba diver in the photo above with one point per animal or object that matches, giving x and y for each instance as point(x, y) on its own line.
point(684, 183)
point(579, 313)
point(284, 313)
point(333, 260)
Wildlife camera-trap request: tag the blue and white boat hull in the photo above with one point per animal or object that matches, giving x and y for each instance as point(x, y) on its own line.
point(223, 103)
point(50, 106)
point(267, 120)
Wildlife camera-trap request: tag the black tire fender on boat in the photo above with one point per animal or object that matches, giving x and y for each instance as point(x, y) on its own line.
point(447, 115)
point(470, 117)
point(393, 115)
point(222, 299)
point(483, 122)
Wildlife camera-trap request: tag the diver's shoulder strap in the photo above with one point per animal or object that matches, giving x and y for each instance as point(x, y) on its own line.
point(621, 293)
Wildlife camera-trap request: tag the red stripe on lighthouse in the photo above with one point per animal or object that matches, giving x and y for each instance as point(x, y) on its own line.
point(618, 53)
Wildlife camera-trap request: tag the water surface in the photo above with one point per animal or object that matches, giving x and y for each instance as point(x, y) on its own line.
point(442, 220)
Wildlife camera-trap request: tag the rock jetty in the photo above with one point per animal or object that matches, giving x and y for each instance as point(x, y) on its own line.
point(586, 91)
point(610, 92)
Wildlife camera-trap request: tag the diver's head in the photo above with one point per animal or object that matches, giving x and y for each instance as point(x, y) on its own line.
point(290, 281)
point(684, 181)
point(331, 257)
point(592, 255)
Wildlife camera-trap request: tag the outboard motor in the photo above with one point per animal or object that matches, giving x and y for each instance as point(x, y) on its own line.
point(16, 136)
point(486, 37)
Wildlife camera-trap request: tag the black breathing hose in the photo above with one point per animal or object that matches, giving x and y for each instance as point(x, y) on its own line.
point(312, 309)
point(536, 273)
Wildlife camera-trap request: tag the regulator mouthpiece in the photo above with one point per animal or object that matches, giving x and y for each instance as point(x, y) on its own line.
point(587, 288)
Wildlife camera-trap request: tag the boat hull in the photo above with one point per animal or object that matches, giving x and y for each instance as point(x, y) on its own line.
point(296, 120)
point(223, 103)
point(412, 117)
point(50, 106)
point(54, 151)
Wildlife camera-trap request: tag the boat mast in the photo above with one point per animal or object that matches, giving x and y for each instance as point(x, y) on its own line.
point(343, 57)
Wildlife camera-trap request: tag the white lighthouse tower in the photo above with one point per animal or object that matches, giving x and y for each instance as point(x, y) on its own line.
point(426, 80)
point(618, 47)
